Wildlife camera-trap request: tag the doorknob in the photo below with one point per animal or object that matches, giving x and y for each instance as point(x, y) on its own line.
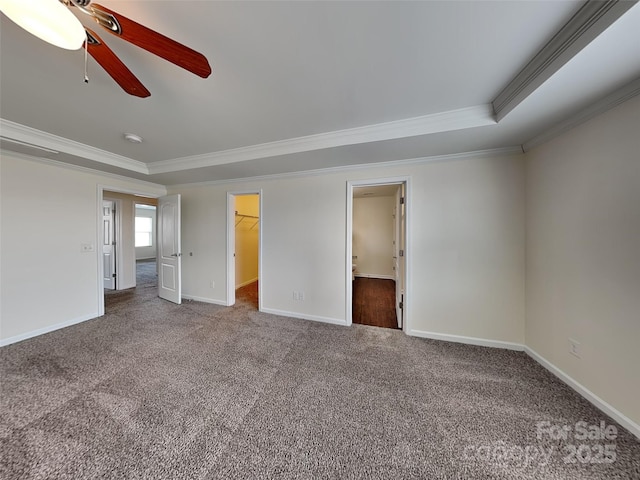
point(176, 254)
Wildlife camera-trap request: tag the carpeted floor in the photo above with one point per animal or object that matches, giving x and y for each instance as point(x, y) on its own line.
point(146, 277)
point(156, 390)
point(248, 295)
point(146, 273)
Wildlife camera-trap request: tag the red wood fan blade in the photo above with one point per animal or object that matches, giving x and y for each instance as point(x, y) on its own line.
point(152, 41)
point(114, 66)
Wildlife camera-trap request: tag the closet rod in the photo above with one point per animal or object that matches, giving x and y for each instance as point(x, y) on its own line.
point(242, 217)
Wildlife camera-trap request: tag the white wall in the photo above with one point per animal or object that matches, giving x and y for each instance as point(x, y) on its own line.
point(468, 248)
point(47, 213)
point(247, 239)
point(583, 254)
point(373, 232)
point(467, 236)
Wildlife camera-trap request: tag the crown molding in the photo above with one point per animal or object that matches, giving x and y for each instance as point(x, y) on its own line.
point(607, 103)
point(591, 20)
point(24, 145)
point(476, 116)
point(477, 154)
point(87, 170)
point(16, 132)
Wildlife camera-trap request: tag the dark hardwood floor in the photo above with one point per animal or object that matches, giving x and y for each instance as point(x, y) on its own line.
point(374, 302)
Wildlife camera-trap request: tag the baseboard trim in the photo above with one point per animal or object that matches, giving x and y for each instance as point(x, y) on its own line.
point(371, 275)
point(205, 300)
point(304, 316)
point(244, 284)
point(41, 331)
point(482, 342)
point(599, 403)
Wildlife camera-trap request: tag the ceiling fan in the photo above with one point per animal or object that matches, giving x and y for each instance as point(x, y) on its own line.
point(115, 24)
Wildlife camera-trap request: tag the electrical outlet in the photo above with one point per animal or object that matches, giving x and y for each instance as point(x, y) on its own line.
point(301, 296)
point(295, 296)
point(86, 247)
point(574, 348)
point(212, 284)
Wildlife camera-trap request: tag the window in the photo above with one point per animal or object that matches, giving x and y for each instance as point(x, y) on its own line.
point(144, 232)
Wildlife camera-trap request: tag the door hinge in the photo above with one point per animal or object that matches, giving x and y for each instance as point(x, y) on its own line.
point(401, 305)
point(401, 253)
point(113, 275)
point(401, 200)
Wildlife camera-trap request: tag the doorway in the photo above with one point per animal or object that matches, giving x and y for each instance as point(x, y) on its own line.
point(145, 244)
point(119, 233)
point(244, 248)
point(377, 253)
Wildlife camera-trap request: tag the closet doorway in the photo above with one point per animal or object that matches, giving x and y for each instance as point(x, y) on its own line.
point(244, 248)
point(377, 253)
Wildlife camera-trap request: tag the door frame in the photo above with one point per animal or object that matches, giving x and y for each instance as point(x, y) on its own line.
point(100, 234)
point(400, 263)
point(231, 244)
point(406, 180)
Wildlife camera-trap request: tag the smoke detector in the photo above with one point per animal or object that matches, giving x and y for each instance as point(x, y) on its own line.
point(133, 138)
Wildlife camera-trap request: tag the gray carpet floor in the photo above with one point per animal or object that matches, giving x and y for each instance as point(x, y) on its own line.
point(146, 273)
point(146, 276)
point(198, 391)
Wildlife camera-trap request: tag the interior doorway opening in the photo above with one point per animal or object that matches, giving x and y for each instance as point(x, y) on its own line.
point(377, 253)
point(244, 234)
point(123, 266)
point(145, 244)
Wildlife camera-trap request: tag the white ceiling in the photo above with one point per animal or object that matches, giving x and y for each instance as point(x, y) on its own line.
point(375, 190)
point(294, 83)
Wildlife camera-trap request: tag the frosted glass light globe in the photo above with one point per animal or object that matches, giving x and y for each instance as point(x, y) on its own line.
point(48, 20)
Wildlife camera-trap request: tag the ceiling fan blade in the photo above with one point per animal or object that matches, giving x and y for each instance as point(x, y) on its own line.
point(114, 66)
point(151, 40)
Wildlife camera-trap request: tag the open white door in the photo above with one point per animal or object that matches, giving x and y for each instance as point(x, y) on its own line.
point(169, 246)
point(108, 245)
point(399, 253)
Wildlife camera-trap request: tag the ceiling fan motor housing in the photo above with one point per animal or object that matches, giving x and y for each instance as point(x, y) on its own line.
point(80, 3)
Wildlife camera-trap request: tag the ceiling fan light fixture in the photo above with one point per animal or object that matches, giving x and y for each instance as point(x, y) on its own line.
point(48, 20)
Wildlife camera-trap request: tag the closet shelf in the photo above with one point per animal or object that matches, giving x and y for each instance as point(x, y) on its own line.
point(240, 217)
